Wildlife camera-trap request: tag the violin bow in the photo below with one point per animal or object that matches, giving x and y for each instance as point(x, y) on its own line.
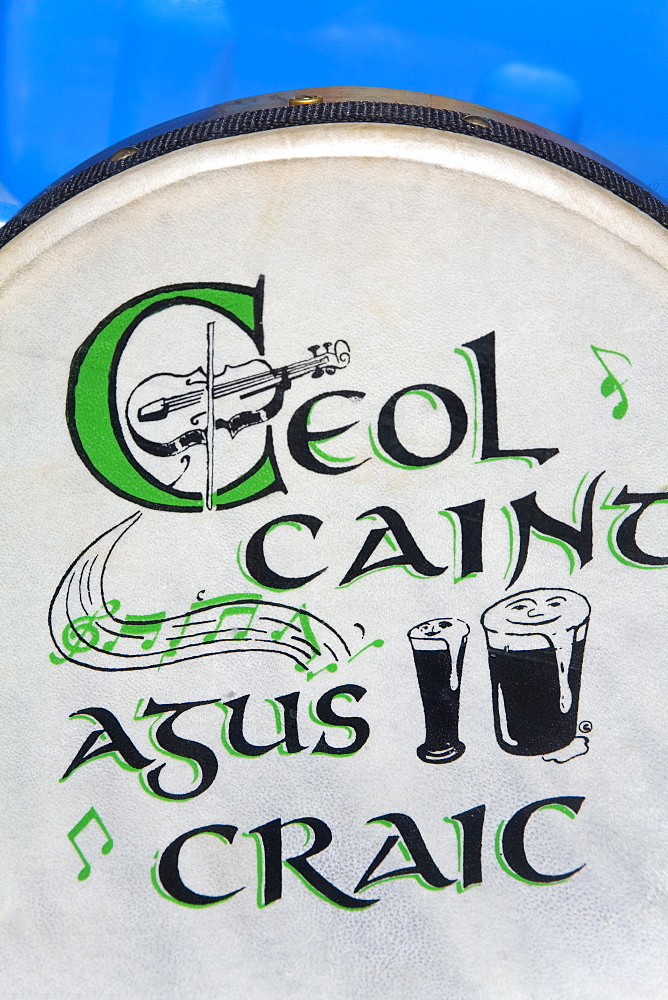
point(210, 417)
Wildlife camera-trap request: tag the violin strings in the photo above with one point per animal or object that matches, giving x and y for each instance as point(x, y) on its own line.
point(227, 388)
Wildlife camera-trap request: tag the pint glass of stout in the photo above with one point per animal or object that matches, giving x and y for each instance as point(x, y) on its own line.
point(438, 650)
point(536, 642)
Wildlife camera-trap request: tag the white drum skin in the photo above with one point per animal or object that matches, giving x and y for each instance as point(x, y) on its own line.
point(406, 376)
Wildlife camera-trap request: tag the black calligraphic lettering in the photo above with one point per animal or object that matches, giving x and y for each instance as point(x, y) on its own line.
point(485, 352)
point(529, 515)
point(471, 825)
point(235, 727)
point(170, 876)
point(387, 432)
point(290, 742)
point(512, 839)
point(257, 564)
point(625, 535)
point(409, 553)
point(270, 843)
point(470, 517)
point(177, 746)
point(119, 742)
point(300, 437)
point(326, 714)
point(424, 867)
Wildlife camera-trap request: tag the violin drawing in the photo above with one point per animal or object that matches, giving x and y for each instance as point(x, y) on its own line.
point(168, 414)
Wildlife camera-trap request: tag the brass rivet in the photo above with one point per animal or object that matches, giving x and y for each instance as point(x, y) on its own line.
point(122, 154)
point(476, 120)
point(306, 99)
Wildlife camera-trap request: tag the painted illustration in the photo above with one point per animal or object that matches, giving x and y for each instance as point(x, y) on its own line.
point(536, 643)
point(438, 648)
point(611, 384)
point(87, 628)
point(160, 391)
point(168, 415)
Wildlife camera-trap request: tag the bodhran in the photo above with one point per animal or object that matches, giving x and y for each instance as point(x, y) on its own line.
point(335, 558)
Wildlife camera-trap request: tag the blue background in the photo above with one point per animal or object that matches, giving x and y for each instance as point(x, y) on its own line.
point(77, 75)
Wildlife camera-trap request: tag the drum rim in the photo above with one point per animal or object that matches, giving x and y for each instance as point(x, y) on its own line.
point(338, 106)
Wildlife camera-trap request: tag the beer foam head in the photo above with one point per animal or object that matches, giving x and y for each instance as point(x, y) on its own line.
point(549, 612)
point(439, 633)
point(541, 618)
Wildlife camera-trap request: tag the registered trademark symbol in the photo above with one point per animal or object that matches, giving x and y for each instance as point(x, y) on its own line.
point(585, 727)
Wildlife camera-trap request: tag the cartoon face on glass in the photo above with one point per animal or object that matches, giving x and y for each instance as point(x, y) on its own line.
point(536, 610)
point(438, 653)
point(535, 643)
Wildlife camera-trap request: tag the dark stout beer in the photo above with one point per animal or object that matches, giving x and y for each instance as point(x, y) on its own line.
point(535, 643)
point(438, 650)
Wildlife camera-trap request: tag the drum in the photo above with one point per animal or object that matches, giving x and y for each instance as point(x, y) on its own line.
point(354, 687)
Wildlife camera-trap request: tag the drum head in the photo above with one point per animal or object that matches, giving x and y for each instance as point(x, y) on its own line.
point(336, 550)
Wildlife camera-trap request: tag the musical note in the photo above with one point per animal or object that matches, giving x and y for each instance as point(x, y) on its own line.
point(278, 634)
point(175, 641)
point(611, 383)
point(228, 611)
point(331, 667)
point(107, 640)
point(141, 626)
point(82, 633)
point(307, 631)
point(90, 816)
point(377, 643)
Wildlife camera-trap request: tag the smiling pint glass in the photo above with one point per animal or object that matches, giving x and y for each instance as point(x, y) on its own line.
point(438, 648)
point(536, 642)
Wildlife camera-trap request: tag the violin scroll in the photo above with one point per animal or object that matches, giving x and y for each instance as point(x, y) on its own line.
point(168, 414)
point(342, 354)
point(330, 360)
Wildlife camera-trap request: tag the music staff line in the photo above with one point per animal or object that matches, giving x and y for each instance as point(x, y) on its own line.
point(87, 628)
